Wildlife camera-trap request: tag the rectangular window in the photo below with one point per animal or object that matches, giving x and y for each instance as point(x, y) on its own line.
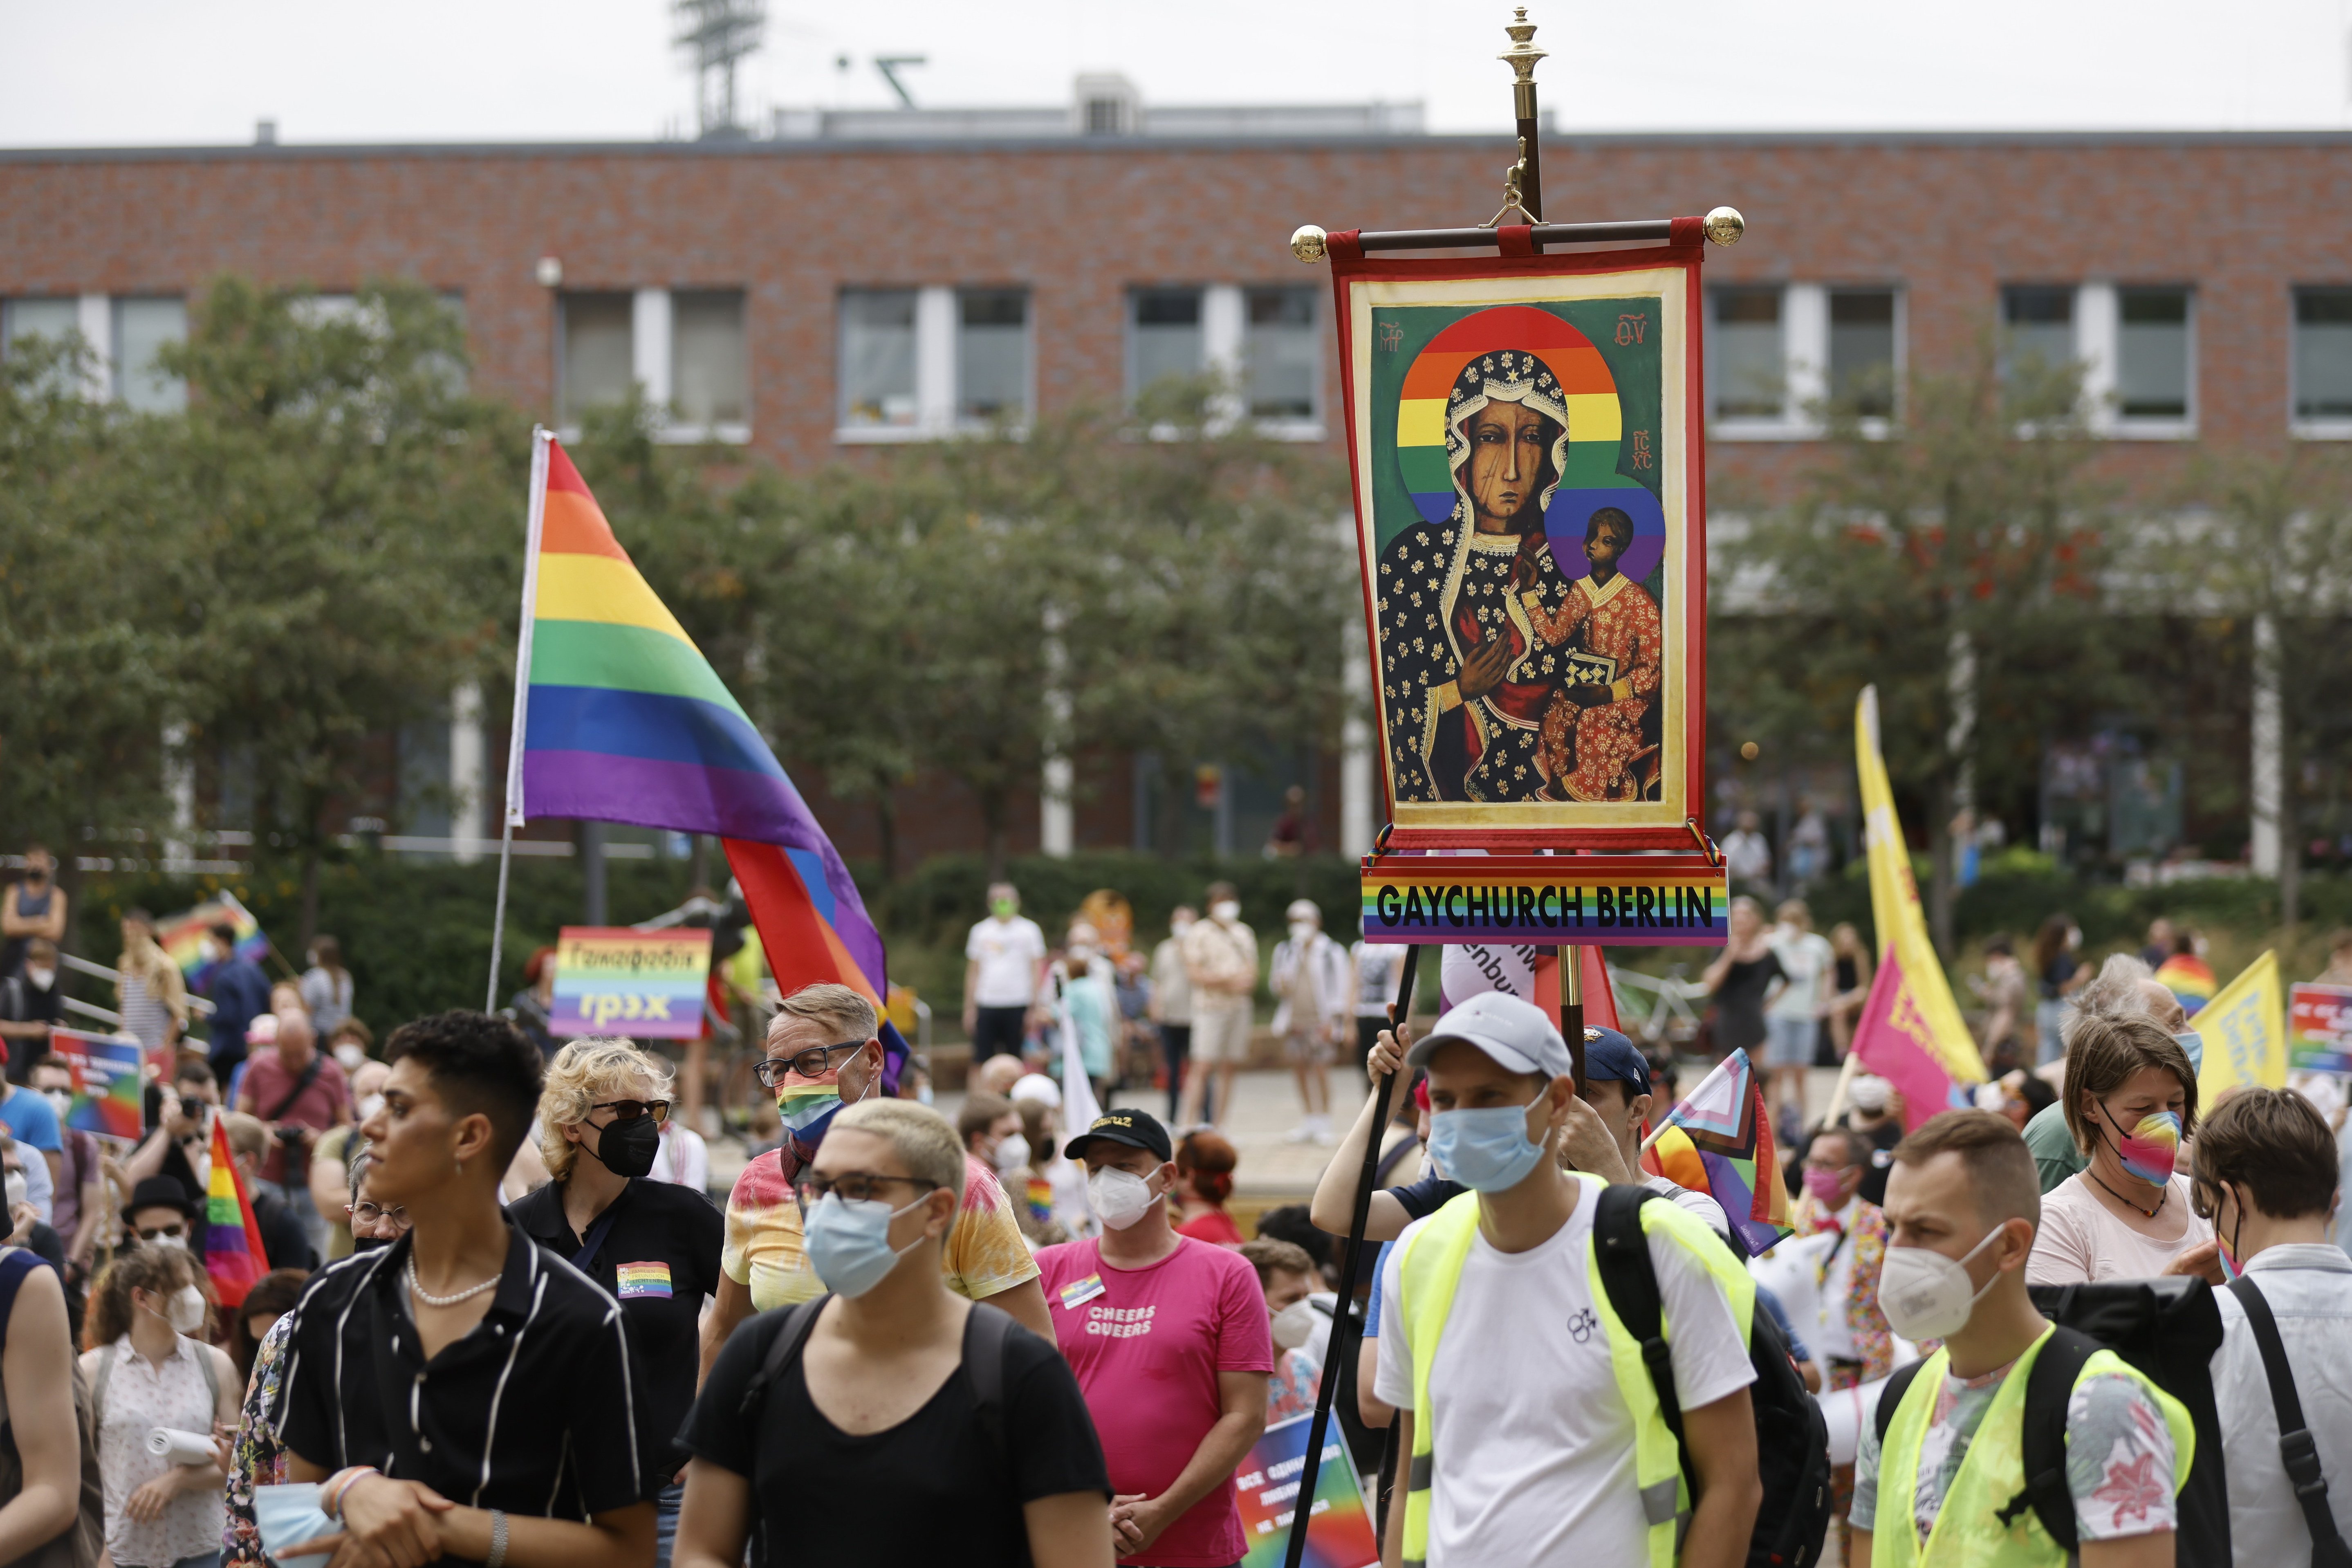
point(2038, 325)
point(142, 327)
point(55, 319)
point(1165, 337)
point(2323, 353)
point(2152, 353)
point(992, 354)
point(1861, 351)
point(878, 357)
point(708, 377)
point(599, 346)
point(1747, 368)
point(1281, 353)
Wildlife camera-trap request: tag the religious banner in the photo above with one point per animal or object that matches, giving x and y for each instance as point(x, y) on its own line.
point(647, 984)
point(1619, 900)
point(105, 1083)
point(1524, 436)
point(2319, 1028)
point(1338, 1530)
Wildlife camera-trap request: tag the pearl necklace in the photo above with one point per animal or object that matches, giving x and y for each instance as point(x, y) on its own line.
point(432, 1300)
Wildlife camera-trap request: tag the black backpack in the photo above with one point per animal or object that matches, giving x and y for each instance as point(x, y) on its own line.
point(987, 1337)
point(1793, 1439)
point(2167, 1329)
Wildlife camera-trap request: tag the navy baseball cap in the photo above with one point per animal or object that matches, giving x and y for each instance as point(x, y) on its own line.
point(1609, 1055)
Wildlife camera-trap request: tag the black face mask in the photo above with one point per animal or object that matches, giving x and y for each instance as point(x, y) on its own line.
point(368, 1243)
point(626, 1148)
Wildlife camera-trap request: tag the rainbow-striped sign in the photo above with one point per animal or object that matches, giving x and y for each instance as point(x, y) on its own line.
point(108, 1077)
point(647, 984)
point(1614, 900)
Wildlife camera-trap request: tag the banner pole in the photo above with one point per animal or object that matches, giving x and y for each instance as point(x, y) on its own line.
point(535, 517)
point(1303, 1507)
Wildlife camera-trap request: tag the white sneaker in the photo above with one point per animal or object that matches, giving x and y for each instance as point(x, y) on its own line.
point(1302, 1134)
point(1322, 1131)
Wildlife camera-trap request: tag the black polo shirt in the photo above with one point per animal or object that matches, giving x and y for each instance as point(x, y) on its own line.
point(539, 1410)
point(660, 1258)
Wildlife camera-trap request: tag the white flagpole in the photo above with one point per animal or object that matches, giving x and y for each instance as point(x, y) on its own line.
point(540, 438)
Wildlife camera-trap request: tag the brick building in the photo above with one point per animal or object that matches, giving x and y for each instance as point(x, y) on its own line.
point(865, 278)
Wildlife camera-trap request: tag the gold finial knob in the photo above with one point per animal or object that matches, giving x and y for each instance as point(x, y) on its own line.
point(1306, 243)
point(1725, 225)
point(1523, 54)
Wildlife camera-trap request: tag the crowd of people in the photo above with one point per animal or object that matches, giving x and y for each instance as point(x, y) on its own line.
point(504, 1321)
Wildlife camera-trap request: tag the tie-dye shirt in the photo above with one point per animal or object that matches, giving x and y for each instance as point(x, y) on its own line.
point(984, 1255)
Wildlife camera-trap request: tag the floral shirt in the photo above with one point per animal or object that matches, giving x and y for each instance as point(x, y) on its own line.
point(2119, 1456)
point(260, 1460)
point(984, 1257)
point(1291, 1391)
point(1873, 1342)
point(139, 1397)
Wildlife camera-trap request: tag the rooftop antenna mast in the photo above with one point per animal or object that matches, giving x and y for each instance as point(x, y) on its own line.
point(718, 33)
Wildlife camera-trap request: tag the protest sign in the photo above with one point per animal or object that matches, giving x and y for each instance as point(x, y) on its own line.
point(2319, 1028)
point(1339, 1531)
point(105, 1083)
point(647, 985)
point(2245, 1029)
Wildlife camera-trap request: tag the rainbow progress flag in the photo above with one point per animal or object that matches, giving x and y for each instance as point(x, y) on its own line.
point(619, 718)
point(1718, 1140)
point(182, 936)
point(233, 1253)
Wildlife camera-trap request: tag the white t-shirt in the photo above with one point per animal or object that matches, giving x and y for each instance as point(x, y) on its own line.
point(1008, 954)
point(1534, 1448)
point(682, 1157)
point(1810, 964)
point(1377, 973)
point(2080, 1241)
point(1699, 1204)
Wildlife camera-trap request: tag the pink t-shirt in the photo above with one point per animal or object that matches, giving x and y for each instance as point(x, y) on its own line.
point(1148, 1344)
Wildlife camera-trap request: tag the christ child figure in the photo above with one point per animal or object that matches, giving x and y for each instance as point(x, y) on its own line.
point(1592, 733)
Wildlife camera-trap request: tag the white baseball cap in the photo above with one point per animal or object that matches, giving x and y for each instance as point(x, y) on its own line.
point(1516, 1034)
point(1869, 1092)
point(1036, 1085)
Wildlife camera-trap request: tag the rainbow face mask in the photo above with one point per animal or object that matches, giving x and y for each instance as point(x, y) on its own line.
point(2151, 1149)
point(807, 1109)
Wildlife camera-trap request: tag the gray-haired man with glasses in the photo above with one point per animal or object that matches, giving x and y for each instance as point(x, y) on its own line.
point(825, 1052)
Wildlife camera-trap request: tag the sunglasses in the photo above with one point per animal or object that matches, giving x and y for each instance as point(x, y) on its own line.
point(178, 1232)
point(814, 1062)
point(633, 1110)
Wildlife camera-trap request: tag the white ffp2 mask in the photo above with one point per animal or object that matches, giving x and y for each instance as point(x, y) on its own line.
point(1926, 1295)
point(1120, 1197)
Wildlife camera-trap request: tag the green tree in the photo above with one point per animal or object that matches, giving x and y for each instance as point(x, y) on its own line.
point(343, 541)
point(2267, 539)
point(1957, 559)
point(92, 661)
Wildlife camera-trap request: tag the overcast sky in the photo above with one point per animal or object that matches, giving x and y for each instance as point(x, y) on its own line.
point(101, 72)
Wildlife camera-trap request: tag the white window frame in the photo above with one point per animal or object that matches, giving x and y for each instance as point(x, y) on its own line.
point(954, 369)
point(651, 320)
point(1805, 358)
point(1310, 428)
point(2338, 428)
point(935, 380)
point(1876, 427)
point(2098, 337)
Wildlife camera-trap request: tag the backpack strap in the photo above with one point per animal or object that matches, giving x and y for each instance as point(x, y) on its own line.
point(783, 1350)
point(1890, 1398)
point(2295, 1446)
point(1630, 1279)
point(987, 1345)
point(212, 1376)
point(2049, 1385)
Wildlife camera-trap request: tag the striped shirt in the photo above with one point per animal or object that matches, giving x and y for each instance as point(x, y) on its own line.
point(539, 1409)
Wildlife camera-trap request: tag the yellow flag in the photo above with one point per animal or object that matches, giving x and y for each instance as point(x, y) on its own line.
point(2245, 1029)
point(1895, 906)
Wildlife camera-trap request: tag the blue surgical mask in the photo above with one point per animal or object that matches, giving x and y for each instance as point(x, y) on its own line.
point(1486, 1150)
point(849, 1243)
point(2194, 1044)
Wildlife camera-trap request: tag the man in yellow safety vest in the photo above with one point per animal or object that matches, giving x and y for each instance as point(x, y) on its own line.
point(1962, 1203)
point(1535, 1432)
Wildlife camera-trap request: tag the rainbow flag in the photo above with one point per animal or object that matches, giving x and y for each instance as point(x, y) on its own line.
point(182, 936)
point(233, 1251)
point(619, 718)
point(1718, 1140)
point(2189, 978)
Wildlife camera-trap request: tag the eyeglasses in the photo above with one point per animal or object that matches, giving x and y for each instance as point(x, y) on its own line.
point(854, 1186)
point(176, 1232)
point(631, 1109)
point(814, 1062)
point(365, 1213)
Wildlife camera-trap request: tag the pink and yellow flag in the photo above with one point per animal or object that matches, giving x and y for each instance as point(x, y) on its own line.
point(1910, 1031)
